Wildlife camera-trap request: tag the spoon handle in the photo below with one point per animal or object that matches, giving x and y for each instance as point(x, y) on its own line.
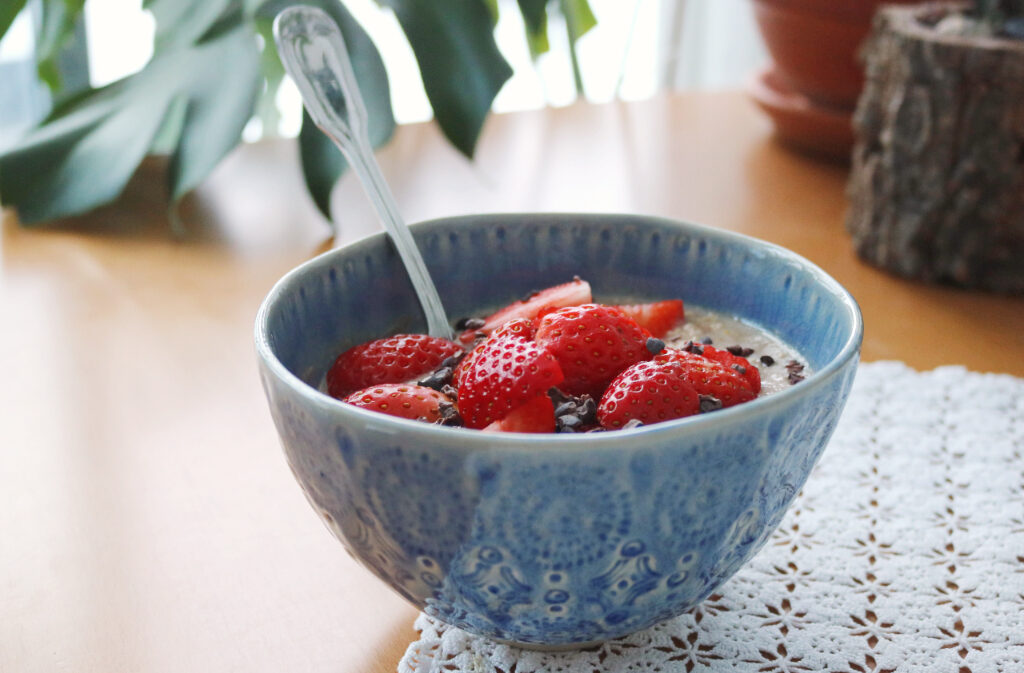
point(313, 53)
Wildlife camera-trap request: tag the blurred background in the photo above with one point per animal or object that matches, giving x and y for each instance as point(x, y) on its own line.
point(636, 48)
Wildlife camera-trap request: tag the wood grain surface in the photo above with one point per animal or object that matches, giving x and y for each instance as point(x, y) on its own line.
point(148, 521)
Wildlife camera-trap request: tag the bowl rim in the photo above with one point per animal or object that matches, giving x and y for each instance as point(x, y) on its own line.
point(458, 438)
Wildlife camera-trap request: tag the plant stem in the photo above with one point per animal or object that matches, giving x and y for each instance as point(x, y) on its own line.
point(570, 30)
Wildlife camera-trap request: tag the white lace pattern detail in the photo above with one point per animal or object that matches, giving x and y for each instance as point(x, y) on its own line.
point(903, 553)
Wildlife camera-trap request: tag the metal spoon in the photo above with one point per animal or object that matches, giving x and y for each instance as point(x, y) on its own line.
point(313, 52)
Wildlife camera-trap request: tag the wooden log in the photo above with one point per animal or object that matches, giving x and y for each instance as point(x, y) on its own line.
point(937, 180)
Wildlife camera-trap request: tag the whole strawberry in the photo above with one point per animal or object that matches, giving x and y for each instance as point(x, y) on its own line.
point(649, 392)
point(710, 377)
point(522, 327)
point(395, 359)
point(418, 403)
point(501, 374)
point(593, 343)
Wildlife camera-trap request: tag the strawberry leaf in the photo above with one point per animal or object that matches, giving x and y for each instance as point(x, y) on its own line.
point(459, 62)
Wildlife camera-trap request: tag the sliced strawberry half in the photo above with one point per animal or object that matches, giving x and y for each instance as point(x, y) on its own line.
point(573, 293)
point(658, 317)
point(649, 392)
point(710, 377)
point(737, 363)
point(537, 415)
point(394, 359)
point(504, 372)
point(399, 399)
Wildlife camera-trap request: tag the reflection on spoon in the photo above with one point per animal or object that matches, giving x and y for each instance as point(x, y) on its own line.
point(314, 55)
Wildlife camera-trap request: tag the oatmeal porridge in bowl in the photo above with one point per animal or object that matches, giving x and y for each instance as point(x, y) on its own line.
point(577, 463)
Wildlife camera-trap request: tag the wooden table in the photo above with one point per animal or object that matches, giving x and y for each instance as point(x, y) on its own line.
point(148, 521)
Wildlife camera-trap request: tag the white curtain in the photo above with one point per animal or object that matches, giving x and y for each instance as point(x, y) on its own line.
point(708, 44)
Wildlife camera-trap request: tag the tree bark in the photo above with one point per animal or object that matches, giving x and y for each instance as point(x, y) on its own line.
point(937, 182)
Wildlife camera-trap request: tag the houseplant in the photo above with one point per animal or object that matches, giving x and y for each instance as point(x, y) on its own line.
point(937, 183)
point(213, 62)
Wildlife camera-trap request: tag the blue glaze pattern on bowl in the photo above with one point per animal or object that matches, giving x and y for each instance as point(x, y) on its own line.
point(552, 540)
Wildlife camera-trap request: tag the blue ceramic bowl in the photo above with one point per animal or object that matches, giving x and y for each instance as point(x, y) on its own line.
point(553, 540)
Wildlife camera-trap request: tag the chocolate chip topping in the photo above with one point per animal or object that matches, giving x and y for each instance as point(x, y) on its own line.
point(740, 369)
point(573, 413)
point(568, 423)
point(795, 372)
point(441, 377)
point(706, 341)
point(654, 345)
point(565, 408)
point(693, 347)
point(437, 379)
point(452, 360)
point(709, 403)
point(558, 397)
point(767, 360)
point(449, 415)
point(588, 410)
point(741, 351)
point(469, 323)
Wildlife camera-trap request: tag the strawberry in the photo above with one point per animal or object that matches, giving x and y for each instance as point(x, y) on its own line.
point(710, 377)
point(573, 293)
point(650, 392)
point(737, 363)
point(394, 359)
point(657, 318)
point(517, 327)
point(504, 372)
point(593, 344)
point(537, 415)
point(399, 399)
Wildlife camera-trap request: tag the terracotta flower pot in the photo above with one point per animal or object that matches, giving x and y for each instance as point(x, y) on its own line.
point(814, 45)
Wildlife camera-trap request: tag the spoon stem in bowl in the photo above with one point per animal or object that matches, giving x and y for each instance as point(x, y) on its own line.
point(313, 52)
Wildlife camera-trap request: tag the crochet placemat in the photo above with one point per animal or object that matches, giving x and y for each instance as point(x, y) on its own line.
point(903, 552)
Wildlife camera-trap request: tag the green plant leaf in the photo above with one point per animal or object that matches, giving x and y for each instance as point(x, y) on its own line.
point(492, 9)
point(578, 20)
point(180, 22)
point(85, 152)
point(322, 162)
point(9, 9)
point(273, 74)
point(59, 18)
point(579, 17)
point(535, 19)
point(459, 62)
point(220, 102)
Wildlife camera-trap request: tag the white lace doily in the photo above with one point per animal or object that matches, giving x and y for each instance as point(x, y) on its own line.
point(904, 552)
